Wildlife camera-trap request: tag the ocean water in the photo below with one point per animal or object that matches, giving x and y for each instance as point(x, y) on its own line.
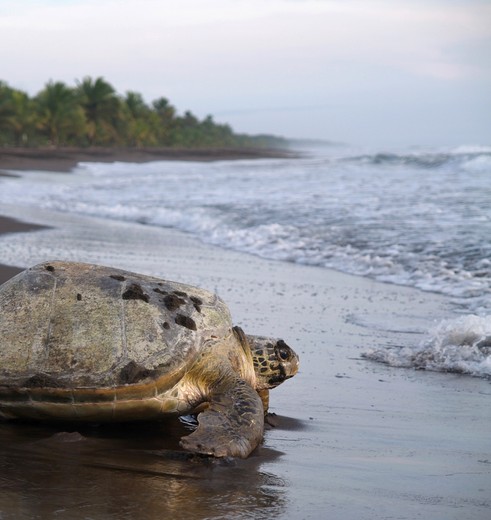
point(418, 217)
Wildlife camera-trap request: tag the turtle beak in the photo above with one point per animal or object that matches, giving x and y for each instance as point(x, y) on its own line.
point(292, 367)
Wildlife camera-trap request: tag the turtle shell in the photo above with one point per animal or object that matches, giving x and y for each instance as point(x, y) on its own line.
point(81, 326)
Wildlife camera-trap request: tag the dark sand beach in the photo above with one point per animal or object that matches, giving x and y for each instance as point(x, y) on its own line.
point(353, 439)
point(9, 225)
point(64, 159)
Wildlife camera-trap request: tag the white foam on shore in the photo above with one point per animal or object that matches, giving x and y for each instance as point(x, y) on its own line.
point(415, 218)
point(461, 345)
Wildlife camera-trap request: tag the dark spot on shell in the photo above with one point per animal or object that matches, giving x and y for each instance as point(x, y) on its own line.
point(132, 373)
point(180, 293)
point(197, 302)
point(79, 297)
point(160, 291)
point(173, 302)
point(117, 277)
point(135, 292)
point(185, 321)
point(263, 370)
point(42, 381)
point(49, 268)
point(165, 325)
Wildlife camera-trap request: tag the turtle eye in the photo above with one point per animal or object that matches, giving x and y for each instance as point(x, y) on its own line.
point(283, 353)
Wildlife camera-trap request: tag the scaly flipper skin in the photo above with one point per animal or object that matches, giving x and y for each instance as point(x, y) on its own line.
point(233, 424)
point(264, 395)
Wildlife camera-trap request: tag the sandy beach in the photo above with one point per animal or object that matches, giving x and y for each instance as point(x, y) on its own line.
point(354, 439)
point(64, 159)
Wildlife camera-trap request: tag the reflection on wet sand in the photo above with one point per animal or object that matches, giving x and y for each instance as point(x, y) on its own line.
point(127, 471)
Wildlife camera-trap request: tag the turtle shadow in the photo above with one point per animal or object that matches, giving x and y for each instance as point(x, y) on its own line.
point(156, 440)
point(136, 471)
point(284, 422)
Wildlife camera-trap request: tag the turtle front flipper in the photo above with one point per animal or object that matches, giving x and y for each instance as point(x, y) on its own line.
point(232, 425)
point(264, 395)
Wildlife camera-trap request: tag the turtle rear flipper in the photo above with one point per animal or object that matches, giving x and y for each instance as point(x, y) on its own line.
point(232, 425)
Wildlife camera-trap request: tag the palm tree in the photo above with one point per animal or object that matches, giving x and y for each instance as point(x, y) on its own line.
point(101, 106)
point(6, 108)
point(136, 105)
point(23, 120)
point(16, 115)
point(165, 120)
point(138, 120)
point(164, 109)
point(187, 130)
point(60, 114)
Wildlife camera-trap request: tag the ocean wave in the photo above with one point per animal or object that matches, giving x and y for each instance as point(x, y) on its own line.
point(471, 149)
point(425, 227)
point(461, 345)
point(465, 157)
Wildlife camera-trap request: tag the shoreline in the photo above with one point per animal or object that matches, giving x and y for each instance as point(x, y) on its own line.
point(11, 225)
point(65, 158)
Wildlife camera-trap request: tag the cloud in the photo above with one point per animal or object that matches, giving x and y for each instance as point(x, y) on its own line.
point(218, 55)
point(303, 35)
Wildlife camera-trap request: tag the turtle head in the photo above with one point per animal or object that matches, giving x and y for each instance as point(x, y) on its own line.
point(274, 361)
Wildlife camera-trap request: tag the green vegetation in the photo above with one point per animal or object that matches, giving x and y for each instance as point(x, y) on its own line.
point(93, 114)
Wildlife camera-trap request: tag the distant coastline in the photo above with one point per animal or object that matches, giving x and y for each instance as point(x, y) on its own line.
point(63, 159)
point(93, 114)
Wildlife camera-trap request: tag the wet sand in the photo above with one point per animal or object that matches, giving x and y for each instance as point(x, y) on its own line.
point(354, 439)
point(8, 225)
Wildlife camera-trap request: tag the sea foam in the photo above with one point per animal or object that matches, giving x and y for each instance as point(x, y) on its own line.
point(461, 345)
point(420, 218)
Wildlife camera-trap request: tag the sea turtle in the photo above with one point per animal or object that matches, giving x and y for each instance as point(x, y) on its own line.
point(83, 342)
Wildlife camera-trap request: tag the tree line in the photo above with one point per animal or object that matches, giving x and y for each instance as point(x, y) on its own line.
point(93, 114)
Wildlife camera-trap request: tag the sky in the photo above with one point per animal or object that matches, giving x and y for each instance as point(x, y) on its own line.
point(368, 72)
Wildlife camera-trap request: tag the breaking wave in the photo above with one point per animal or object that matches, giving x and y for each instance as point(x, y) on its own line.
point(461, 345)
point(465, 157)
point(420, 218)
